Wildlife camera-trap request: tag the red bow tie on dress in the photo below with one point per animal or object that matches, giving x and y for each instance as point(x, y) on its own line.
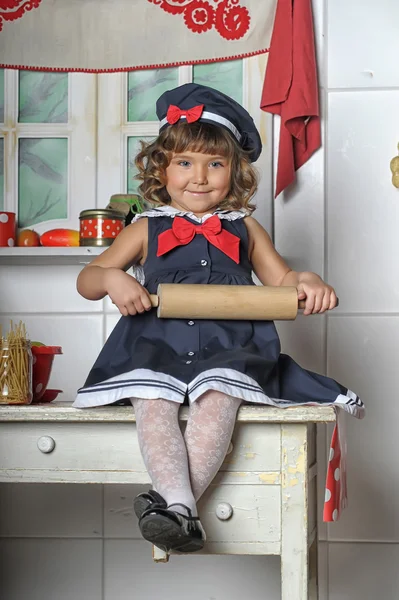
point(192, 114)
point(183, 232)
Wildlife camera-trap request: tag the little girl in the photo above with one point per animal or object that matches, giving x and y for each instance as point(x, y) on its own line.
point(198, 176)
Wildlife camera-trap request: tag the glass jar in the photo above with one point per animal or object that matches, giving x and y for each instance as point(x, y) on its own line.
point(100, 226)
point(15, 372)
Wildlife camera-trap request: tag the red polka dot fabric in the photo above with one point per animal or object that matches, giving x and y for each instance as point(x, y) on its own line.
point(336, 497)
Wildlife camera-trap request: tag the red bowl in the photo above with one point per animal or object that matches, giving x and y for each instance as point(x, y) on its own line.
point(48, 396)
point(43, 357)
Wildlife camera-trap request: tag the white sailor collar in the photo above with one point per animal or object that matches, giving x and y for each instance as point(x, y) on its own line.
point(170, 211)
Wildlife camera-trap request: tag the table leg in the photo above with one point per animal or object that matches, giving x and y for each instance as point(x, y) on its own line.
point(294, 513)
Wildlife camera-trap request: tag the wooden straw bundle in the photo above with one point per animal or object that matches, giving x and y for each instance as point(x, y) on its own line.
point(15, 366)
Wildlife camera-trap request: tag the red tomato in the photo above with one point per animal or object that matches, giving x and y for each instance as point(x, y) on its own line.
point(28, 237)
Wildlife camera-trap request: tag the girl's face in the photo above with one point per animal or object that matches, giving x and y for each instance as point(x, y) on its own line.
point(197, 182)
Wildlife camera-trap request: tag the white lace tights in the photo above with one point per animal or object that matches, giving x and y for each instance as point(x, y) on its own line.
point(181, 468)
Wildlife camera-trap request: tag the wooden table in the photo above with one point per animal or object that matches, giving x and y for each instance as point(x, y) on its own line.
point(263, 500)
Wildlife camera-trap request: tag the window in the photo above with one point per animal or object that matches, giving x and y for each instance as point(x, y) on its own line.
point(47, 145)
point(68, 141)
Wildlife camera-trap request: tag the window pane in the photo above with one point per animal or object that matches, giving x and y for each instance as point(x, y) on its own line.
point(133, 148)
point(1, 173)
point(42, 180)
point(1, 95)
point(43, 97)
point(144, 89)
point(223, 76)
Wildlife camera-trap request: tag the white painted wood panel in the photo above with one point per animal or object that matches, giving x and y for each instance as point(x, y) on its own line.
point(363, 42)
point(35, 510)
point(34, 289)
point(319, 21)
point(78, 447)
point(255, 448)
point(363, 354)
point(44, 569)
point(363, 205)
point(129, 569)
point(298, 217)
point(57, 412)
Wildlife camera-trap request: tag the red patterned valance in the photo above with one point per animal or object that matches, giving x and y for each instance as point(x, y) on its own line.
point(99, 35)
point(118, 35)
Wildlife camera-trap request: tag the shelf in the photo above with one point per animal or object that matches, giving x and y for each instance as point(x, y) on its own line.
point(49, 256)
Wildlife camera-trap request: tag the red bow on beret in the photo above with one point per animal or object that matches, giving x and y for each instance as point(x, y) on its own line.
point(183, 232)
point(192, 114)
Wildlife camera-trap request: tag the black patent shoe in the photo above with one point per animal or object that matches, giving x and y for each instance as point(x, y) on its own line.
point(171, 530)
point(146, 500)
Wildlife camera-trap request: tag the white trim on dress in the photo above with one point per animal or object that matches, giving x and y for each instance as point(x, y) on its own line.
point(151, 385)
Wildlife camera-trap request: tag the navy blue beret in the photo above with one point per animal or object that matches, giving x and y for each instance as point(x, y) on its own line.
point(194, 102)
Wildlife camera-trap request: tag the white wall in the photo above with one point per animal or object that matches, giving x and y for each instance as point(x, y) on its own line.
point(343, 221)
point(81, 542)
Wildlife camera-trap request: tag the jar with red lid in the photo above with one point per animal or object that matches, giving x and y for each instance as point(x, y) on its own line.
point(99, 226)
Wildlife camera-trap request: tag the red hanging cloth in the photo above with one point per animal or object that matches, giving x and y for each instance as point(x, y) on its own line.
point(291, 88)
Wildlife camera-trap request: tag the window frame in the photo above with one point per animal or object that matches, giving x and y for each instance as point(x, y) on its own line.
point(81, 132)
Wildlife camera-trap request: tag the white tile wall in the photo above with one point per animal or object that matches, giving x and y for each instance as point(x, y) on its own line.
point(363, 207)
point(364, 571)
point(303, 339)
point(51, 569)
point(298, 222)
point(130, 572)
point(362, 215)
point(363, 42)
point(52, 510)
point(363, 352)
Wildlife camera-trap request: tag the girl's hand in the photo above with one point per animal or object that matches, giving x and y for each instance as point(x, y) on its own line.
point(318, 295)
point(128, 295)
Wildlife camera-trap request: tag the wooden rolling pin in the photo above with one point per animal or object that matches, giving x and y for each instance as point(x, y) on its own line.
point(230, 302)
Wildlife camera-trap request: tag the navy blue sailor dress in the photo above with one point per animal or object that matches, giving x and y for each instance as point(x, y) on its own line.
point(179, 360)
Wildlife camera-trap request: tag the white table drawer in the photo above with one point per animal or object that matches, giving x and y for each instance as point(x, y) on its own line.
point(82, 452)
point(110, 454)
point(255, 513)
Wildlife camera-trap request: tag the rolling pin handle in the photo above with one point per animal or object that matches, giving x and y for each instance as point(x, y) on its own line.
point(154, 300)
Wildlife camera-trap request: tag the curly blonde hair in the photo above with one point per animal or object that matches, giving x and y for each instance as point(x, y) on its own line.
point(154, 158)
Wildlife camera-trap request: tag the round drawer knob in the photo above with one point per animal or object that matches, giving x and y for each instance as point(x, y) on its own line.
point(46, 444)
point(224, 511)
